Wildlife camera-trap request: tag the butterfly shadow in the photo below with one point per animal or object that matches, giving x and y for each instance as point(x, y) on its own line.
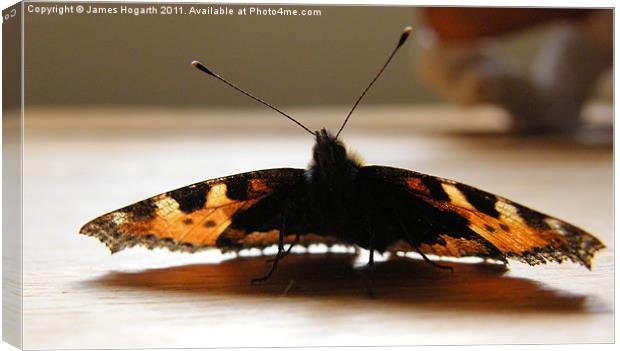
point(404, 281)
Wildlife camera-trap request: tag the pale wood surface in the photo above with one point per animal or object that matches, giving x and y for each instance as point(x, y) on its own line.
point(82, 163)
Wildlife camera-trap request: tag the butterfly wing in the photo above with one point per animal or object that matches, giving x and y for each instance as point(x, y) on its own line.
point(231, 213)
point(447, 218)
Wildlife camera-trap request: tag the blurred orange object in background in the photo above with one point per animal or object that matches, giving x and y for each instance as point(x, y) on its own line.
point(462, 24)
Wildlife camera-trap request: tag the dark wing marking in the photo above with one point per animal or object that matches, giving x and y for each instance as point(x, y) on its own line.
point(459, 220)
point(231, 213)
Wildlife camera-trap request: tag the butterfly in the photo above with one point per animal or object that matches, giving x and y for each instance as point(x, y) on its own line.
point(338, 200)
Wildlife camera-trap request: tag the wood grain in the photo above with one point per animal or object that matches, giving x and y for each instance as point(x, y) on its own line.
point(81, 163)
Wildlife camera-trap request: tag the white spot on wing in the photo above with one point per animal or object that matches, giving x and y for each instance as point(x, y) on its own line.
point(456, 196)
point(217, 196)
point(509, 213)
point(556, 225)
point(118, 218)
point(166, 206)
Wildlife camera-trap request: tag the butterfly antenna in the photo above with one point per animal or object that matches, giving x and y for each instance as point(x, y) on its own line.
point(204, 69)
point(401, 41)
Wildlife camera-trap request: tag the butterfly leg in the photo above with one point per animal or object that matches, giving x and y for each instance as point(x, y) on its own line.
point(432, 263)
point(371, 262)
point(274, 262)
point(288, 250)
point(416, 247)
point(279, 255)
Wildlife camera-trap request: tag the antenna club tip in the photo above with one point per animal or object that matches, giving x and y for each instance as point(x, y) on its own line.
point(406, 32)
point(197, 64)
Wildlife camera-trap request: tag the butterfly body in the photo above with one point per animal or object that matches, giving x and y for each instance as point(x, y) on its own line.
point(333, 188)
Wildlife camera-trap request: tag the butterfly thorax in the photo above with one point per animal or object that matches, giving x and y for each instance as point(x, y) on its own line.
point(332, 181)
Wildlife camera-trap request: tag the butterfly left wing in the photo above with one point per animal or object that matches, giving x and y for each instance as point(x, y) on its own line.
point(231, 213)
point(447, 218)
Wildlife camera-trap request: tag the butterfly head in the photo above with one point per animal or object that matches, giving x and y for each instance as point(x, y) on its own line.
point(328, 149)
point(329, 153)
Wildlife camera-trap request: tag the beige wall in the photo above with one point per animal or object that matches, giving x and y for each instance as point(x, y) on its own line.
point(144, 60)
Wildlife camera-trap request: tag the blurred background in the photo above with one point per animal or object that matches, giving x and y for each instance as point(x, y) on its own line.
point(145, 60)
point(523, 60)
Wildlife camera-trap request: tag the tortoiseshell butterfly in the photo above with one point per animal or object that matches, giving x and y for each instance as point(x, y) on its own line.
point(337, 200)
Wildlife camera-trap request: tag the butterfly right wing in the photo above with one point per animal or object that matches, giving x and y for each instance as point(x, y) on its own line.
point(448, 218)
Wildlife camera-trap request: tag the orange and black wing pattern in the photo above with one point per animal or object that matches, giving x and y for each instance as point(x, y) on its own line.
point(229, 213)
point(447, 218)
